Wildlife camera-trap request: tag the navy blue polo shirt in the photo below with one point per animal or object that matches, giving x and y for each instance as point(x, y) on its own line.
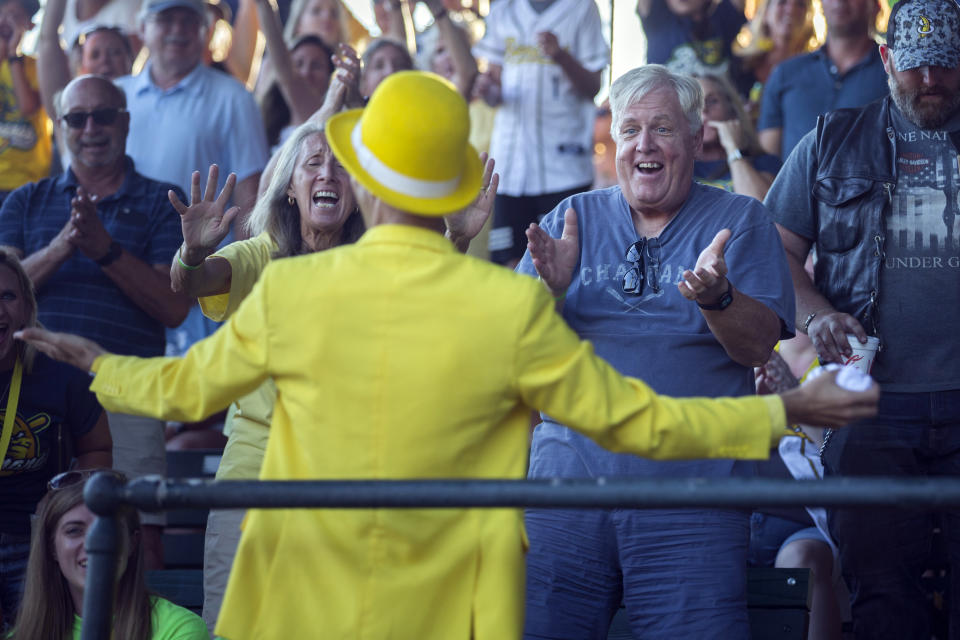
point(79, 298)
point(802, 88)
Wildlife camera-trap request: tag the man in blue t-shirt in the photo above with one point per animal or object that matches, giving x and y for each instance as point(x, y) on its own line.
point(877, 192)
point(845, 72)
point(685, 286)
point(97, 243)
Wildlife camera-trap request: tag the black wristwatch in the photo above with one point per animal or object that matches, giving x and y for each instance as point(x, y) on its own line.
point(723, 302)
point(111, 255)
point(13, 59)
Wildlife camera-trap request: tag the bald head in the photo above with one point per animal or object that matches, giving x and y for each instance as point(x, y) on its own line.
point(100, 87)
point(94, 122)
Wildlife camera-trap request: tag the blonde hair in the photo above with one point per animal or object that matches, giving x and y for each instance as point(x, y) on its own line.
point(749, 141)
point(8, 259)
point(753, 42)
point(348, 24)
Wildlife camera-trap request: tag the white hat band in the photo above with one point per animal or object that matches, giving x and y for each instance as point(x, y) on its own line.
point(395, 181)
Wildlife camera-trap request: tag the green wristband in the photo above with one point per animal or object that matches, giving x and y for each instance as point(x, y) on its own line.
point(184, 264)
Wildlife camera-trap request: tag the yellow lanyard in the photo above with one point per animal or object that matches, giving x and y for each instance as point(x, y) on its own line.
point(10, 415)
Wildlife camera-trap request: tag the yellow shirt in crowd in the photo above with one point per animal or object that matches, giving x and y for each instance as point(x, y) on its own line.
point(398, 357)
point(25, 145)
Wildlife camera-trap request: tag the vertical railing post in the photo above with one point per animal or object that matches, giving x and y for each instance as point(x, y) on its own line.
point(102, 495)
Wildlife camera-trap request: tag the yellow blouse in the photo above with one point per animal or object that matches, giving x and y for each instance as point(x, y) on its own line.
point(248, 419)
point(397, 357)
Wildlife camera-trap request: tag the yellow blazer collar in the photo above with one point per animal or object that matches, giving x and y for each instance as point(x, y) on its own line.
point(405, 234)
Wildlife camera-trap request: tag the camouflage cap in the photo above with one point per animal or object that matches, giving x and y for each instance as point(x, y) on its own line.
point(924, 33)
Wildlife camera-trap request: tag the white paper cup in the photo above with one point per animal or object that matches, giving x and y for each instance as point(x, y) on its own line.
point(863, 354)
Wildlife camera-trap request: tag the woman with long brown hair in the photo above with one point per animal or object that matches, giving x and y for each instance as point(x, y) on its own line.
point(57, 572)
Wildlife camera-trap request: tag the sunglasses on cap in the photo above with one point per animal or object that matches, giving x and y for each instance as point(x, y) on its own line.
point(103, 117)
point(644, 258)
point(77, 476)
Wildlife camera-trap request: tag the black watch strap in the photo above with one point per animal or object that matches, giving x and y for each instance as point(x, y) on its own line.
point(111, 255)
point(723, 302)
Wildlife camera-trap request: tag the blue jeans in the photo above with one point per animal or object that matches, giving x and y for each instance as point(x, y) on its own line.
point(14, 551)
point(680, 573)
point(884, 552)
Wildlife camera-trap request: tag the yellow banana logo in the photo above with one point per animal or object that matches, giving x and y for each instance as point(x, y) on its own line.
point(925, 27)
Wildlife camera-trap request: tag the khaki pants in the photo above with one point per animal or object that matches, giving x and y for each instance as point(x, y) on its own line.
point(219, 548)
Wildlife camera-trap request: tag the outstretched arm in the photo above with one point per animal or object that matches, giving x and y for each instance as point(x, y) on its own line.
point(205, 224)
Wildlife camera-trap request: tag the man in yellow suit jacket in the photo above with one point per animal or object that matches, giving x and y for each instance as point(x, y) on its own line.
point(398, 357)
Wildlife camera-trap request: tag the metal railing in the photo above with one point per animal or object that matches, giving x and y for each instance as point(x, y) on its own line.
point(104, 494)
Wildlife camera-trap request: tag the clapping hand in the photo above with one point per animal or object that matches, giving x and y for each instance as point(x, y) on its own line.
point(708, 280)
point(88, 234)
point(464, 226)
point(205, 223)
point(548, 44)
point(555, 258)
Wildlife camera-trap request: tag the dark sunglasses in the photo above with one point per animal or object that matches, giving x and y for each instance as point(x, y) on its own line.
point(644, 258)
point(102, 117)
point(76, 476)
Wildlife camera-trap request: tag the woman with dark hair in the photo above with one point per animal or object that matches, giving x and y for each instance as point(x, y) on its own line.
point(57, 573)
point(307, 207)
point(300, 76)
point(49, 417)
point(382, 57)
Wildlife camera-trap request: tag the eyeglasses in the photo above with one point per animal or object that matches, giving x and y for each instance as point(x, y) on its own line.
point(102, 117)
point(644, 257)
point(75, 476)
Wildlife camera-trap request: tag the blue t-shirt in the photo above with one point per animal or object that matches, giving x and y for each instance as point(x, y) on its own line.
point(662, 337)
point(801, 88)
point(716, 173)
point(55, 407)
point(674, 42)
point(79, 298)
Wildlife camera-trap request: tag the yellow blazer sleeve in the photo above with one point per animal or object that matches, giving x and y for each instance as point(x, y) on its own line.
point(214, 372)
point(560, 375)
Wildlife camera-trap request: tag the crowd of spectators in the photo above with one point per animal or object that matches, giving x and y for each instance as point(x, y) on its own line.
point(774, 194)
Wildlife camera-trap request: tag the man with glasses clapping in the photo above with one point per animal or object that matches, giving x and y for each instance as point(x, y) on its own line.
point(96, 242)
point(686, 287)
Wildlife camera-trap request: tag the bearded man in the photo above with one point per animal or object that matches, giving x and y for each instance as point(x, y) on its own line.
point(875, 190)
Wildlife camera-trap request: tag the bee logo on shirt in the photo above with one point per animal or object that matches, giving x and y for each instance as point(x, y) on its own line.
point(25, 453)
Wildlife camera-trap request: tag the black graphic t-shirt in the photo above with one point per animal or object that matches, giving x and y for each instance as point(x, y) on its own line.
point(920, 282)
point(56, 407)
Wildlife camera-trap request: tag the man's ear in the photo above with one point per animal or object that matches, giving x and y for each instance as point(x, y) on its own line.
point(885, 57)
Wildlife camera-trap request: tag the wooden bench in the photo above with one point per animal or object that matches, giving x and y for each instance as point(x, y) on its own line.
point(778, 603)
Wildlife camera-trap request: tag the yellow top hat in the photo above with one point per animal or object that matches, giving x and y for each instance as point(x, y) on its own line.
point(409, 146)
